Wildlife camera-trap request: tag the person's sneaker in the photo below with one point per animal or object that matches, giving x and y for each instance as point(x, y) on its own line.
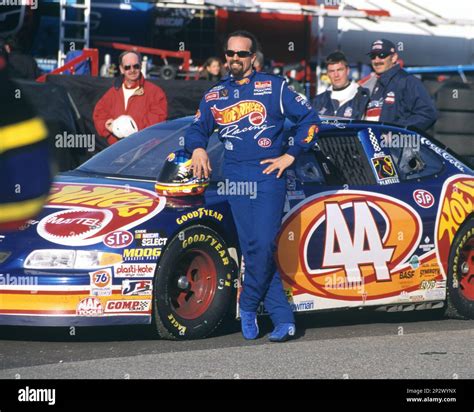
point(249, 324)
point(282, 332)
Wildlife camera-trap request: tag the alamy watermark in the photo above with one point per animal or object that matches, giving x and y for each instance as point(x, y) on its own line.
point(9, 280)
point(32, 3)
point(400, 140)
point(28, 394)
point(75, 141)
point(336, 282)
point(231, 188)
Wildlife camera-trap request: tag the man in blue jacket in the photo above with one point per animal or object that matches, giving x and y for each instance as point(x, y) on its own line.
point(344, 98)
point(396, 96)
point(249, 109)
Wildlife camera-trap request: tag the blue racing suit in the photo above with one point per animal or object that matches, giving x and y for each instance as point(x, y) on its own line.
point(249, 115)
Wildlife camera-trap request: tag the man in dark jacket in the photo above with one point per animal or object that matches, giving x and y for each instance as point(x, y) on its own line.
point(396, 96)
point(344, 98)
point(20, 65)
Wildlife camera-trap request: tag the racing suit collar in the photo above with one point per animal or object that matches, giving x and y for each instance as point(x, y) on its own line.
point(244, 80)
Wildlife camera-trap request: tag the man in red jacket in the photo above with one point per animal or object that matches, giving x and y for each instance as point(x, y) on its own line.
point(131, 95)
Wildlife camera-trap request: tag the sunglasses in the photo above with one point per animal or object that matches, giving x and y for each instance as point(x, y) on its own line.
point(380, 55)
point(241, 53)
point(128, 66)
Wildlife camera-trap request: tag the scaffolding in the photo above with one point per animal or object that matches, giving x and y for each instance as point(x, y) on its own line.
point(74, 30)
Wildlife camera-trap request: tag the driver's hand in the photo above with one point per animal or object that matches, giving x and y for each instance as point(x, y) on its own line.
point(200, 164)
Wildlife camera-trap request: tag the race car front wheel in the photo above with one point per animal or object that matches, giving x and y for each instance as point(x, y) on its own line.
point(461, 273)
point(194, 285)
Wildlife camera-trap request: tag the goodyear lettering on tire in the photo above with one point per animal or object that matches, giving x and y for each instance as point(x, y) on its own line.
point(190, 240)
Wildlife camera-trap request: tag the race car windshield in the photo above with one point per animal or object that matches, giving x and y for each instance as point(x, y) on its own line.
point(143, 154)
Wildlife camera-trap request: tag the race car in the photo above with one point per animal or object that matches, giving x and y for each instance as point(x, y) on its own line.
point(376, 216)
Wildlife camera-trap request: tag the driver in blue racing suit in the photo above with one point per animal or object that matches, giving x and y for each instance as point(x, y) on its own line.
point(249, 110)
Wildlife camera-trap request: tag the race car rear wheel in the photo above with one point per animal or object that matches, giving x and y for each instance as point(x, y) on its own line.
point(461, 273)
point(194, 285)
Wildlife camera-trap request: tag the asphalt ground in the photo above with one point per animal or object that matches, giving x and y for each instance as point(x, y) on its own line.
point(347, 345)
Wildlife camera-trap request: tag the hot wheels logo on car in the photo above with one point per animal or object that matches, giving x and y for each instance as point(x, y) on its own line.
point(93, 211)
point(457, 204)
point(348, 238)
point(253, 109)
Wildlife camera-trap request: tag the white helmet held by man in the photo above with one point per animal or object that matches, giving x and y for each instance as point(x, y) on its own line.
point(124, 126)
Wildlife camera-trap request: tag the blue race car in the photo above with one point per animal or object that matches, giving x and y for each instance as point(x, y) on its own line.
point(376, 216)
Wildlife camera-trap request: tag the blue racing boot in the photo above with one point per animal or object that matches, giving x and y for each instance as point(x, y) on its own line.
point(249, 324)
point(282, 332)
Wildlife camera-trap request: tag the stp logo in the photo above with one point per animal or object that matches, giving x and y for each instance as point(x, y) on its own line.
point(264, 142)
point(118, 239)
point(423, 198)
point(347, 239)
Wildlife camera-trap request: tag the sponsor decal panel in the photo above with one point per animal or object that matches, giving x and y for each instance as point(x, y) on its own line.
point(353, 246)
point(262, 87)
point(137, 287)
point(385, 170)
point(118, 239)
point(390, 98)
point(347, 112)
point(302, 306)
point(254, 110)
point(311, 132)
point(243, 81)
point(263, 84)
point(135, 270)
point(212, 96)
point(457, 200)
point(264, 142)
point(423, 198)
point(123, 306)
point(199, 214)
point(101, 282)
point(89, 306)
point(89, 212)
point(144, 238)
point(141, 254)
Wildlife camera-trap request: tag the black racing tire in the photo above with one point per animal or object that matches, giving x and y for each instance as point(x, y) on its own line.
point(194, 285)
point(460, 285)
point(168, 72)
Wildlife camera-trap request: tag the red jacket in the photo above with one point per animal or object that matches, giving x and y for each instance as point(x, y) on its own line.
point(147, 106)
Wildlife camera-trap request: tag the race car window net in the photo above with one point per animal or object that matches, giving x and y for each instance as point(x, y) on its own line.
point(343, 160)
